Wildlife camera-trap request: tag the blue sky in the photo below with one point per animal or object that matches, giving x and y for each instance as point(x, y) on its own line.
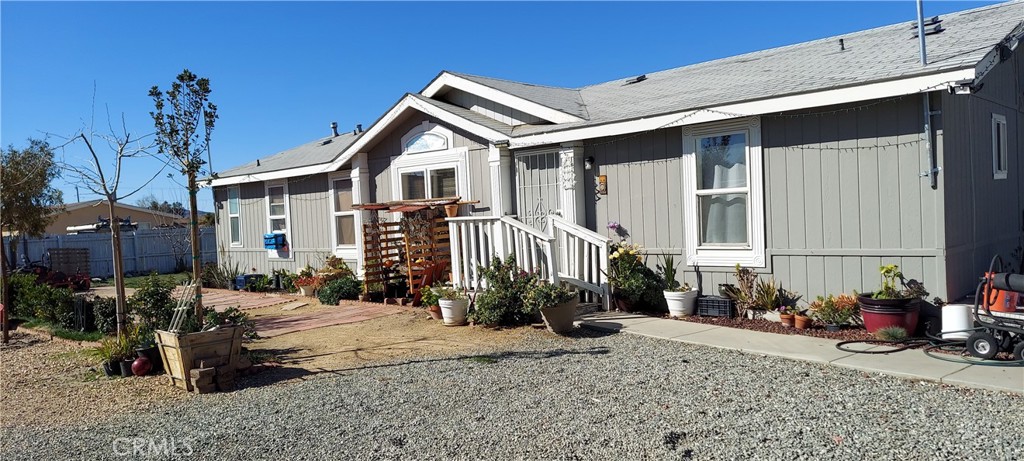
point(281, 72)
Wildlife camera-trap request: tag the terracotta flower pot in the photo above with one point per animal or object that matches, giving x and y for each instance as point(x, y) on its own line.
point(802, 322)
point(787, 319)
point(451, 210)
point(435, 312)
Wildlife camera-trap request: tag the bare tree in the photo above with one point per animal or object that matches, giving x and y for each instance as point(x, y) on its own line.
point(97, 177)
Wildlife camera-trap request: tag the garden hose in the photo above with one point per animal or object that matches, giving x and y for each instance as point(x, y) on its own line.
point(931, 343)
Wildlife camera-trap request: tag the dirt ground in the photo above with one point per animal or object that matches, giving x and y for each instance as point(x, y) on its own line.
point(47, 381)
point(406, 334)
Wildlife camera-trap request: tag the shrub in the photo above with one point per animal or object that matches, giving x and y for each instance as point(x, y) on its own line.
point(504, 301)
point(834, 310)
point(41, 301)
point(153, 306)
point(23, 293)
point(105, 314)
point(428, 296)
point(631, 279)
point(338, 289)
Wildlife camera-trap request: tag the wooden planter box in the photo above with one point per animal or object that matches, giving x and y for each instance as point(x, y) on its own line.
point(179, 352)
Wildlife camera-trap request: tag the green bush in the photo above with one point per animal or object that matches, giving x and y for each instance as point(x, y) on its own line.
point(105, 314)
point(40, 301)
point(338, 289)
point(504, 301)
point(152, 305)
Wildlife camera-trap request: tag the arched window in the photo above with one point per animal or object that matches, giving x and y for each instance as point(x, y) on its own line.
point(426, 137)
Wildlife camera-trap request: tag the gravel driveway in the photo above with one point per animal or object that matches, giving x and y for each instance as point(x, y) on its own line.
point(593, 396)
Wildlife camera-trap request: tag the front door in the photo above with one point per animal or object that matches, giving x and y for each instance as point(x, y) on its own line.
point(537, 184)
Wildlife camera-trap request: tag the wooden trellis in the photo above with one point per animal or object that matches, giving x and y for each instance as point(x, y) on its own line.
point(416, 248)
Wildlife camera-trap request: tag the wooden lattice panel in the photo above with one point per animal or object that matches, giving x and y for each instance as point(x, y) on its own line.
point(383, 248)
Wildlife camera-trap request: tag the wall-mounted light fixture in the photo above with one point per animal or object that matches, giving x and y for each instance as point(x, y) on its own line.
point(588, 163)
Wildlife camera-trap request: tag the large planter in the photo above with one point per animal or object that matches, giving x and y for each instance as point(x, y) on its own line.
point(559, 318)
point(681, 303)
point(453, 311)
point(180, 352)
point(305, 290)
point(882, 313)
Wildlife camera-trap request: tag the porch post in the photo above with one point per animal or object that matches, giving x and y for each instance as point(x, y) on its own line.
point(570, 157)
point(360, 175)
point(500, 160)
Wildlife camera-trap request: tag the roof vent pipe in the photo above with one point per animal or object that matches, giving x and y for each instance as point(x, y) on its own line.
point(359, 127)
point(842, 46)
point(920, 31)
point(334, 128)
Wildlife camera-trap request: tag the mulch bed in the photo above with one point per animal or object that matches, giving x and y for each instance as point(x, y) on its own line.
point(846, 334)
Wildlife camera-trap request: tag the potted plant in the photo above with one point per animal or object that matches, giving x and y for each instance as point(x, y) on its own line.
point(124, 351)
point(743, 296)
point(892, 305)
point(307, 281)
point(802, 320)
point(107, 352)
point(454, 305)
point(557, 305)
point(681, 299)
point(768, 298)
point(430, 299)
point(834, 311)
point(634, 285)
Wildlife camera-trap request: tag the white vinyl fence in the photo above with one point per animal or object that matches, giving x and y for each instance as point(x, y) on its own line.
point(143, 251)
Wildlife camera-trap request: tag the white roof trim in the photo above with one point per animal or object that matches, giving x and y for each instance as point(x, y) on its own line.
point(406, 103)
point(454, 81)
point(870, 91)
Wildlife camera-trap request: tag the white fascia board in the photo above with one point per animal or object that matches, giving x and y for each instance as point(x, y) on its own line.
point(271, 175)
point(879, 90)
point(500, 97)
point(407, 103)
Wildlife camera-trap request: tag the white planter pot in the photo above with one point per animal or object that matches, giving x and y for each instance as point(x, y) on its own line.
point(681, 303)
point(305, 290)
point(453, 312)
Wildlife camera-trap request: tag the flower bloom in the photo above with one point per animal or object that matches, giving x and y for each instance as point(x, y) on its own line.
point(613, 225)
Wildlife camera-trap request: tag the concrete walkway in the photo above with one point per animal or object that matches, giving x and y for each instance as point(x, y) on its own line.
point(913, 364)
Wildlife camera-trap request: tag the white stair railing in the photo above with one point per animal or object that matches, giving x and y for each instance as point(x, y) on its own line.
point(567, 252)
point(582, 257)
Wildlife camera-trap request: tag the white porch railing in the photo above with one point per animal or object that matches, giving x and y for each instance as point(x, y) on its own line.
point(566, 253)
point(582, 257)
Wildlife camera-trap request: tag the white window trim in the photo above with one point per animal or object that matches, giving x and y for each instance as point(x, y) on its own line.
point(272, 254)
point(428, 128)
point(237, 214)
point(426, 161)
point(343, 251)
point(997, 120)
point(754, 254)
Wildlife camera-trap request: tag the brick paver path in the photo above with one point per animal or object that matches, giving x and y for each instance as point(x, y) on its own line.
point(347, 312)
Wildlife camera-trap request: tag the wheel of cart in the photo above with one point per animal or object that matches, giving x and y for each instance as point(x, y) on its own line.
point(1000, 324)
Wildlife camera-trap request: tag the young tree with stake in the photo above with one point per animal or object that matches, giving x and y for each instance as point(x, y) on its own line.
point(183, 135)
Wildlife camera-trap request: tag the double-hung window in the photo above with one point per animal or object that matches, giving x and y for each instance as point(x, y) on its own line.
point(234, 217)
point(723, 198)
point(343, 214)
point(278, 221)
point(999, 147)
point(428, 167)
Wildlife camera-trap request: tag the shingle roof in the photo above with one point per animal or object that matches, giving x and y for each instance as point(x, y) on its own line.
point(880, 54)
point(467, 114)
point(321, 151)
point(566, 100)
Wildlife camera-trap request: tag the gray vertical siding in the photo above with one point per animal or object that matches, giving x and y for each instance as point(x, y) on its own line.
point(309, 209)
point(842, 196)
point(983, 214)
point(499, 112)
point(381, 154)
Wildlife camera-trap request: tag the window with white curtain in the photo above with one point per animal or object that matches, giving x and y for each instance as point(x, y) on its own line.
point(234, 216)
point(999, 148)
point(723, 198)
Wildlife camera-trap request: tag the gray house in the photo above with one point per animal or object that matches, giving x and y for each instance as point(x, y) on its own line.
point(815, 162)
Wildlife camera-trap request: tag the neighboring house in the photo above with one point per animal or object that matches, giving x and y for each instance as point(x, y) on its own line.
point(814, 162)
point(89, 212)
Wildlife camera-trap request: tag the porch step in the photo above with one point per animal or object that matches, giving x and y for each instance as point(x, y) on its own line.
point(587, 308)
